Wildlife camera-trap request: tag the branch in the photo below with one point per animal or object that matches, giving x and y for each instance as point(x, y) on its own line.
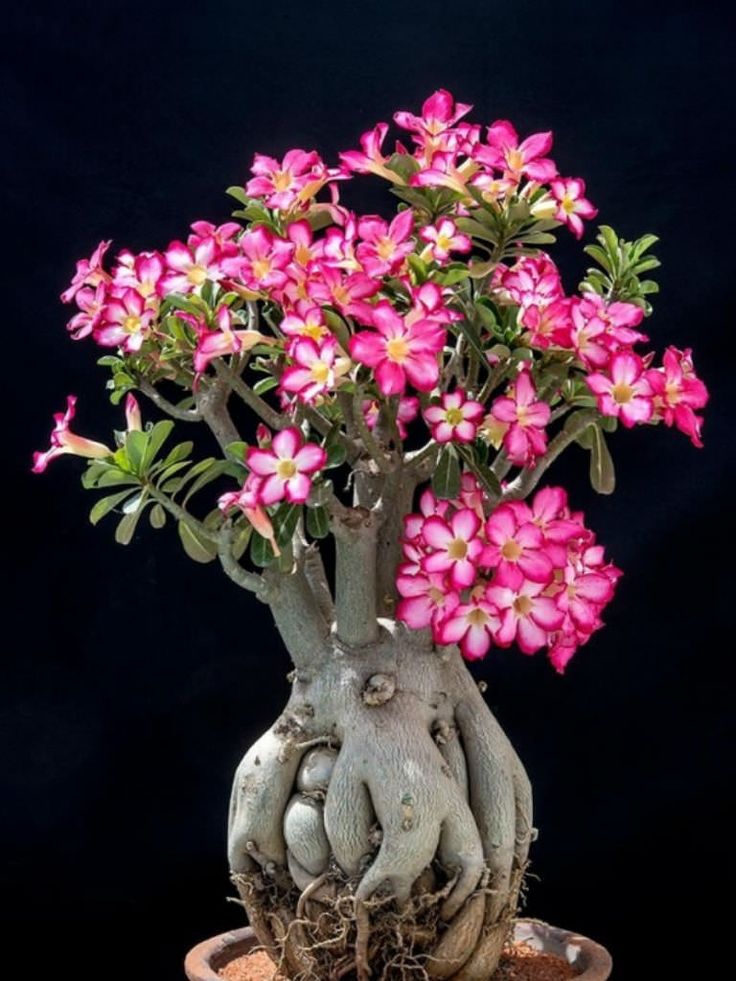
point(355, 576)
point(422, 462)
point(366, 436)
point(212, 403)
point(268, 414)
point(185, 415)
point(303, 628)
point(234, 570)
point(528, 479)
point(178, 512)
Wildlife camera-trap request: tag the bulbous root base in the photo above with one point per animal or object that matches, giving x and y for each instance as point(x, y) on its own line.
point(381, 827)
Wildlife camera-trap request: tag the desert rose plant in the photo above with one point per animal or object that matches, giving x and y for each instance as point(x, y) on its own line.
point(401, 385)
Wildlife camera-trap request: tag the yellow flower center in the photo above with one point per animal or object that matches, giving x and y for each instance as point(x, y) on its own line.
point(444, 242)
point(313, 330)
point(281, 180)
point(568, 205)
point(146, 288)
point(511, 550)
point(436, 595)
point(320, 372)
point(197, 275)
point(302, 254)
point(514, 159)
point(386, 248)
point(397, 350)
point(340, 294)
point(454, 417)
point(261, 268)
point(672, 393)
point(477, 617)
point(457, 549)
point(523, 605)
point(622, 393)
point(286, 469)
point(522, 415)
point(132, 324)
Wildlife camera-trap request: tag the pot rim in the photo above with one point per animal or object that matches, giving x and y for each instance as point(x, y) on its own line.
point(595, 963)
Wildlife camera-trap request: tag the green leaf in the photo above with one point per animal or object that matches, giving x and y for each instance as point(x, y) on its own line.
point(419, 268)
point(477, 230)
point(196, 547)
point(334, 448)
point(285, 521)
point(451, 277)
point(265, 385)
point(261, 553)
point(468, 332)
point(318, 522)
point(236, 450)
point(602, 474)
point(537, 238)
point(487, 479)
point(106, 504)
point(215, 469)
point(446, 477)
point(157, 436)
point(179, 452)
point(238, 193)
point(337, 325)
point(479, 270)
point(116, 478)
point(136, 444)
point(126, 528)
point(157, 516)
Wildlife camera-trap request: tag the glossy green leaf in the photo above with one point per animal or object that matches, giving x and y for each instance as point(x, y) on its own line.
point(107, 504)
point(446, 477)
point(156, 439)
point(318, 522)
point(602, 474)
point(196, 547)
point(157, 516)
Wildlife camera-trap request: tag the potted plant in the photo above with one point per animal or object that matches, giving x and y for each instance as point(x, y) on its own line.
point(398, 389)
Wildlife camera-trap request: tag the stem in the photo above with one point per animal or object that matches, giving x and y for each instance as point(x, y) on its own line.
point(234, 570)
point(185, 415)
point(366, 436)
point(212, 403)
point(303, 628)
point(178, 512)
point(270, 416)
point(422, 462)
point(528, 479)
point(493, 380)
point(355, 581)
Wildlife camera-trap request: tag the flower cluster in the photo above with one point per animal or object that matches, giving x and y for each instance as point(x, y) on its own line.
point(529, 573)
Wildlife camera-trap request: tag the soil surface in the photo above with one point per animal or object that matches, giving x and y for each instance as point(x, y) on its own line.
point(519, 963)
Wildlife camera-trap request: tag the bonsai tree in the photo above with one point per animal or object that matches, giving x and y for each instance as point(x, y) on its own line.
point(398, 389)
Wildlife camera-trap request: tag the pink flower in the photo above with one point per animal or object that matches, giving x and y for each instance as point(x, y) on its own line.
point(677, 392)
point(89, 273)
point(472, 625)
point(444, 238)
point(583, 596)
point(371, 160)
point(384, 247)
point(439, 113)
point(516, 547)
point(306, 250)
point(347, 293)
point(455, 419)
point(263, 260)
point(91, 303)
point(426, 599)
point(505, 153)
point(407, 412)
point(307, 321)
point(281, 183)
point(224, 236)
point(399, 352)
point(547, 326)
point(63, 441)
point(218, 343)
point(317, 370)
point(286, 467)
point(625, 392)
point(527, 616)
point(133, 421)
point(456, 546)
point(531, 281)
point(246, 500)
point(525, 439)
point(600, 328)
point(125, 321)
point(189, 269)
point(142, 272)
point(572, 205)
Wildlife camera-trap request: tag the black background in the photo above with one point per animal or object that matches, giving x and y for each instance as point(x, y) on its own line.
point(135, 679)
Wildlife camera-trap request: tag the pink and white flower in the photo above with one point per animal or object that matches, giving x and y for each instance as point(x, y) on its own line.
point(317, 369)
point(246, 499)
point(64, 441)
point(264, 257)
point(625, 391)
point(440, 112)
point(280, 183)
point(517, 160)
point(347, 293)
point(527, 615)
point(573, 206)
point(442, 239)
point(286, 468)
point(398, 351)
point(91, 303)
point(89, 272)
point(456, 547)
point(306, 321)
point(143, 272)
point(371, 160)
point(190, 268)
point(677, 392)
point(525, 439)
point(455, 419)
point(125, 321)
point(385, 247)
point(516, 546)
point(472, 625)
point(227, 339)
point(426, 599)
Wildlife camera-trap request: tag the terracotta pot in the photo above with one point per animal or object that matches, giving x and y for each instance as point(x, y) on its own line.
point(590, 960)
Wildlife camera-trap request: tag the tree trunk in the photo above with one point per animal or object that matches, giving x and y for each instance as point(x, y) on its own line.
point(381, 827)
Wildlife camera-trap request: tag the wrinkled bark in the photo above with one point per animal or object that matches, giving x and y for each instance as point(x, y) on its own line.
point(385, 776)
